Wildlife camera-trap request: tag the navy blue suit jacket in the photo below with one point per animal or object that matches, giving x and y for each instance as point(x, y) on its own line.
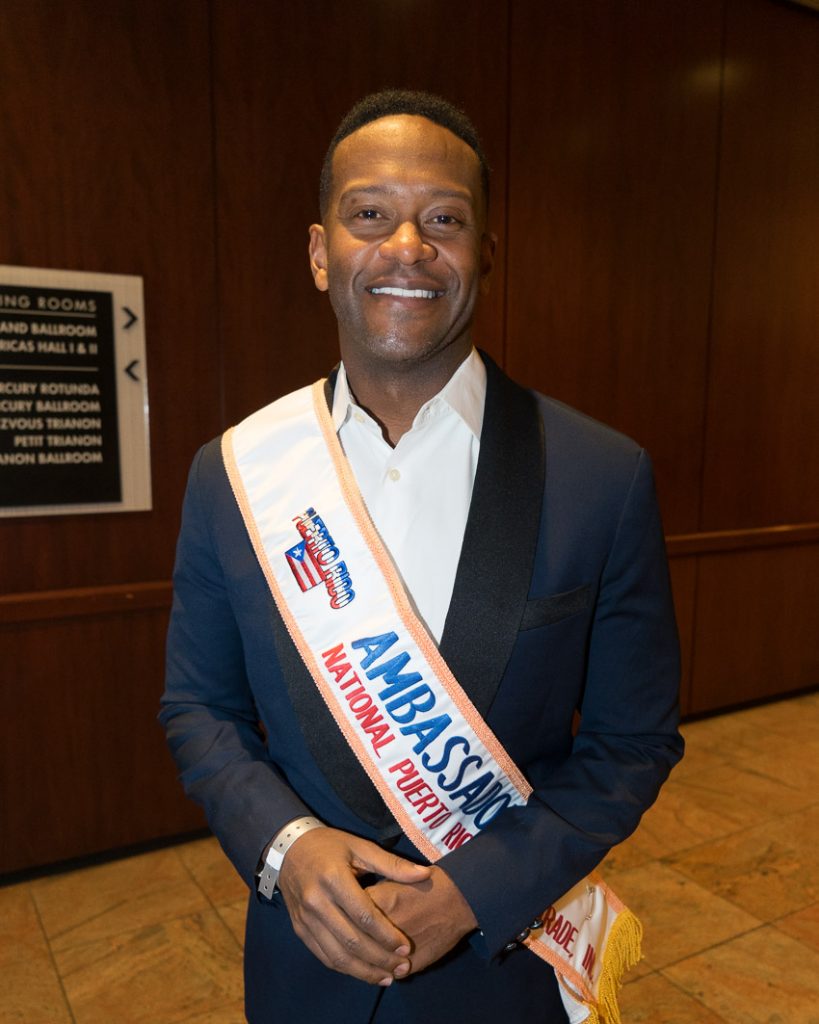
point(561, 605)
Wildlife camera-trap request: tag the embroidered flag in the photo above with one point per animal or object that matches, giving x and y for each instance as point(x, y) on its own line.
point(303, 566)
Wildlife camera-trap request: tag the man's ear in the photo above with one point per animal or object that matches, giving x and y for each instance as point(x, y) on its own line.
point(488, 243)
point(318, 256)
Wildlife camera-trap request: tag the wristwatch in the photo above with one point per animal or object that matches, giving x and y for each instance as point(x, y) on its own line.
point(268, 876)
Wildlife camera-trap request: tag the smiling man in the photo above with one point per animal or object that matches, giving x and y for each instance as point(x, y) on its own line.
point(394, 593)
point(403, 252)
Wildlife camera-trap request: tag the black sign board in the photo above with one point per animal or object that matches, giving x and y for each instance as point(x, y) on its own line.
point(59, 435)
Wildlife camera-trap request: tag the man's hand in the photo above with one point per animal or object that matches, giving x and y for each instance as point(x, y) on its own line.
point(433, 913)
point(333, 916)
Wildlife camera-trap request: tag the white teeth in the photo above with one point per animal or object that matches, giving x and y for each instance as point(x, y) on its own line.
point(406, 293)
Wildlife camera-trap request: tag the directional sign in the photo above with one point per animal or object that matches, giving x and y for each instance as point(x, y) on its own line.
point(73, 393)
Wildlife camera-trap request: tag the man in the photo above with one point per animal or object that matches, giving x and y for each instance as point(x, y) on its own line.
point(527, 544)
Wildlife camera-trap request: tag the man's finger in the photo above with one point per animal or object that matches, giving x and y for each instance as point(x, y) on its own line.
point(329, 909)
point(341, 946)
point(366, 917)
point(369, 858)
point(434, 913)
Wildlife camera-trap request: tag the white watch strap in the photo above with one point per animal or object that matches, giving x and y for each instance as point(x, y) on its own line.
point(282, 842)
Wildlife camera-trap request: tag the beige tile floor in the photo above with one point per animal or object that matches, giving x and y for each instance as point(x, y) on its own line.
point(724, 872)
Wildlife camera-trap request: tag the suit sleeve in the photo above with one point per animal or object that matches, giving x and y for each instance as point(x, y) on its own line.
point(208, 710)
point(626, 745)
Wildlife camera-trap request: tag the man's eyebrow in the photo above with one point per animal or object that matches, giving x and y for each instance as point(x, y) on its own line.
point(385, 190)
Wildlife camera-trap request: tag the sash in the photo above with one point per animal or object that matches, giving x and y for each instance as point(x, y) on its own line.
point(434, 761)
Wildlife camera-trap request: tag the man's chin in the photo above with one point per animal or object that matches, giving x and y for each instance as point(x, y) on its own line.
point(400, 350)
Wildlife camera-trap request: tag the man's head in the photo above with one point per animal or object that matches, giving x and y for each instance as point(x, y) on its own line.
point(403, 249)
point(389, 103)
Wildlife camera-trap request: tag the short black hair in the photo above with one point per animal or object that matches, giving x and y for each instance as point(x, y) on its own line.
point(389, 103)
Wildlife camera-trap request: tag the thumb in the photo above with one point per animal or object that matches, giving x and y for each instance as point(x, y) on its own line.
point(372, 858)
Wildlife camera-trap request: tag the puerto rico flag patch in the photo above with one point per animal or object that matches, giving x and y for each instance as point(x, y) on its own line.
point(304, 566)
point(316, 559)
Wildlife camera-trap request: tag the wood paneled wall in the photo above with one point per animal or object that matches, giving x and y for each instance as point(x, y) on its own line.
point(663, 239)
point(612, 184)
point(654, 190)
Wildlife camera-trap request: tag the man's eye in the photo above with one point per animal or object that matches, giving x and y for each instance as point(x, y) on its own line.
point(368, 214)
point(445, 220)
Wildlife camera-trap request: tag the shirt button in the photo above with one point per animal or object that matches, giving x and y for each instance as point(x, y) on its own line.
point(394, 475)
point(358, 417)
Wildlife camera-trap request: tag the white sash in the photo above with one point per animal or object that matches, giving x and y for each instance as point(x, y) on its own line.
point(435, 762)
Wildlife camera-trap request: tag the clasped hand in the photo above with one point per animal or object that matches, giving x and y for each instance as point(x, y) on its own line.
point(400, 924)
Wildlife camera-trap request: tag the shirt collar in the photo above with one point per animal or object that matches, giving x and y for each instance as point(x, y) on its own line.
point(464, 393)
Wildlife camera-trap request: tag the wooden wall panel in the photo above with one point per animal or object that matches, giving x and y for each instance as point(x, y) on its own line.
point(612, 169)
point(755, 625)
point(763, 414)
point(183, 141)
point(285, 75)
point(684, 587)
point(105, 131)
point(83, 762)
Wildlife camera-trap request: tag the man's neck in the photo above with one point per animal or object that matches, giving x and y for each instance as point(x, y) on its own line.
point(392, 395)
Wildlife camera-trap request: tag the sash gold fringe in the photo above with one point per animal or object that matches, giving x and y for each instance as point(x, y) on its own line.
point(622, 952)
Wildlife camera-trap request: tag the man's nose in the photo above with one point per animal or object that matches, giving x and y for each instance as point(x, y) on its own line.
point(407, 245)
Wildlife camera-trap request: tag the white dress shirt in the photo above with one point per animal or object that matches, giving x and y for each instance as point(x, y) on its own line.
point(418, 493)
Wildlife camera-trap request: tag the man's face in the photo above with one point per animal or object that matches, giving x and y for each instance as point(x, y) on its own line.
point(402, 250)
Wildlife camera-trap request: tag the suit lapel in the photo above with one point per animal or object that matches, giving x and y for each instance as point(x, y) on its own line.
point(498, 553)
point(489, 598)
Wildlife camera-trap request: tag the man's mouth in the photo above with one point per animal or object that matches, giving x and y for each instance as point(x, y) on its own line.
point(406, 293)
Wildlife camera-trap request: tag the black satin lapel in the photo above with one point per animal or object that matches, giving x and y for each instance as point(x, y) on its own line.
point(495, 567)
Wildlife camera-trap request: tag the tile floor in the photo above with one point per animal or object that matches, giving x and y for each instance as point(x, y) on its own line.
point(723, 871)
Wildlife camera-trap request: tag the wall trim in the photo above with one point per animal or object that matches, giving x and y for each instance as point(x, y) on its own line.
point(126, 597)
point(717, 541)
point(84, 601)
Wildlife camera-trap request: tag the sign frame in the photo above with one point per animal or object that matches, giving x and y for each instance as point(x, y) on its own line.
point(130, 383)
